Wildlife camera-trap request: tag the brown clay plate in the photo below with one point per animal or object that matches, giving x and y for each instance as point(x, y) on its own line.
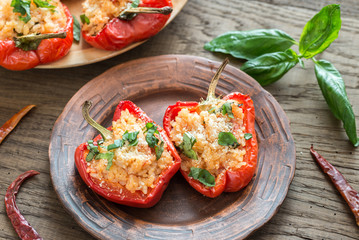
point(82, 53)
point(182, 213)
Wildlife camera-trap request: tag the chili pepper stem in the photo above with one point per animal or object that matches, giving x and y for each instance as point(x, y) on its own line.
point(212, 86)
point(105, 133)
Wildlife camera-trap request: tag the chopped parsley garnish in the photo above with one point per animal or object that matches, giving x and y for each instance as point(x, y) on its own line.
point(227, 139)
point(203, 176)
point(186, 146)
point(84, 19)
point(248, 136)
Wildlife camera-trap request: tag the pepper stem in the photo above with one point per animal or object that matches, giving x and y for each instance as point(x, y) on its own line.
point(212, 86)
point(130, 13)
point(105, 133)
point(32, 41)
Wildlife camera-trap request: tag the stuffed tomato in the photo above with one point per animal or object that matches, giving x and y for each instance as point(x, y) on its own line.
point(114, 24)
point(33, 32)
point(216, 140)
point(132, 163)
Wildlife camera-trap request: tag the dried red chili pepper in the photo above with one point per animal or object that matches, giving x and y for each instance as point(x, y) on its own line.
point(13, 121)
point(119, 33)
point(230, 180)
point(124, 196)
point(348, 193)
point(21, 226)
point(53, 46)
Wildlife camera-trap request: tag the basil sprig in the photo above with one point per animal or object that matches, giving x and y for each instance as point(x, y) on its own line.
point(250, 44)
point(186, 146)
point(227, 109)
point(227, 139)
point(22, 7)
point(203, 176)
point(152, 140)
point(268, 65)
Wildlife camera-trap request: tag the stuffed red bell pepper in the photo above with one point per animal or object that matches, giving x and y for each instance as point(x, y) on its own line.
point(216, 139)
point(130, 163)
point(114, 24)
point(33, 32)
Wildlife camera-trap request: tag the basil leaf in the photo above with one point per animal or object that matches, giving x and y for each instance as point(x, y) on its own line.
point(159, 150)
point(84, 19)
point(227, 139)
point(251, 44)
point(116, 144)
point(43, 4)
point(270, 67)
point(107, 156)
point(333, 90)
point(320, 31)
point(135, 3)
point(186, 146)
point(248, 136)
point(203, 176)
point(77, 29)
point(227, 108)
point(90, 156)
point(151, 139)
point(22, 7)
point(131, 138)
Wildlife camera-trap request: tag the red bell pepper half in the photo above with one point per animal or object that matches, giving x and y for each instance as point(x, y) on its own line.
point(229, 180)
point(119, 33)
point(124, 196)
point(49, 50)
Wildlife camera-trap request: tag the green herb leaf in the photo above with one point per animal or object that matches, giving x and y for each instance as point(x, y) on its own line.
point(93, 150)
point(22, 7)
point(90, 156)
point(151, 139)
point(248, 136)
point(116, 144)
point(186, 146)
point(43, 4)
point(84, 19)
point(107, 156)
point(131, 138)
point(159, 150)
point(77, 29)
point(203, 176)
point(212, 110)
point(333, 89)
point(227, 139)
point(251, 44)
point(270, 67)
point(227, 109)
point(135, 3)
point(320, 31)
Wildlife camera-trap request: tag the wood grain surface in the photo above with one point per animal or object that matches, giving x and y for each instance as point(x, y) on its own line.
point(312, 209)
point(153, 84)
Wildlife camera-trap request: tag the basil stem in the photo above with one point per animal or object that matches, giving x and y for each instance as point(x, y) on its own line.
point(251, 44)
point(320, 31)
point(105, 133)
point(270, 67)
point(203, 176)
point(333, 90)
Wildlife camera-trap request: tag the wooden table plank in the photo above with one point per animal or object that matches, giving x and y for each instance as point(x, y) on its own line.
point(312, 210)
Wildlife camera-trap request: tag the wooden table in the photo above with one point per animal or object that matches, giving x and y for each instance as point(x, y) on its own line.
point(313, 208)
